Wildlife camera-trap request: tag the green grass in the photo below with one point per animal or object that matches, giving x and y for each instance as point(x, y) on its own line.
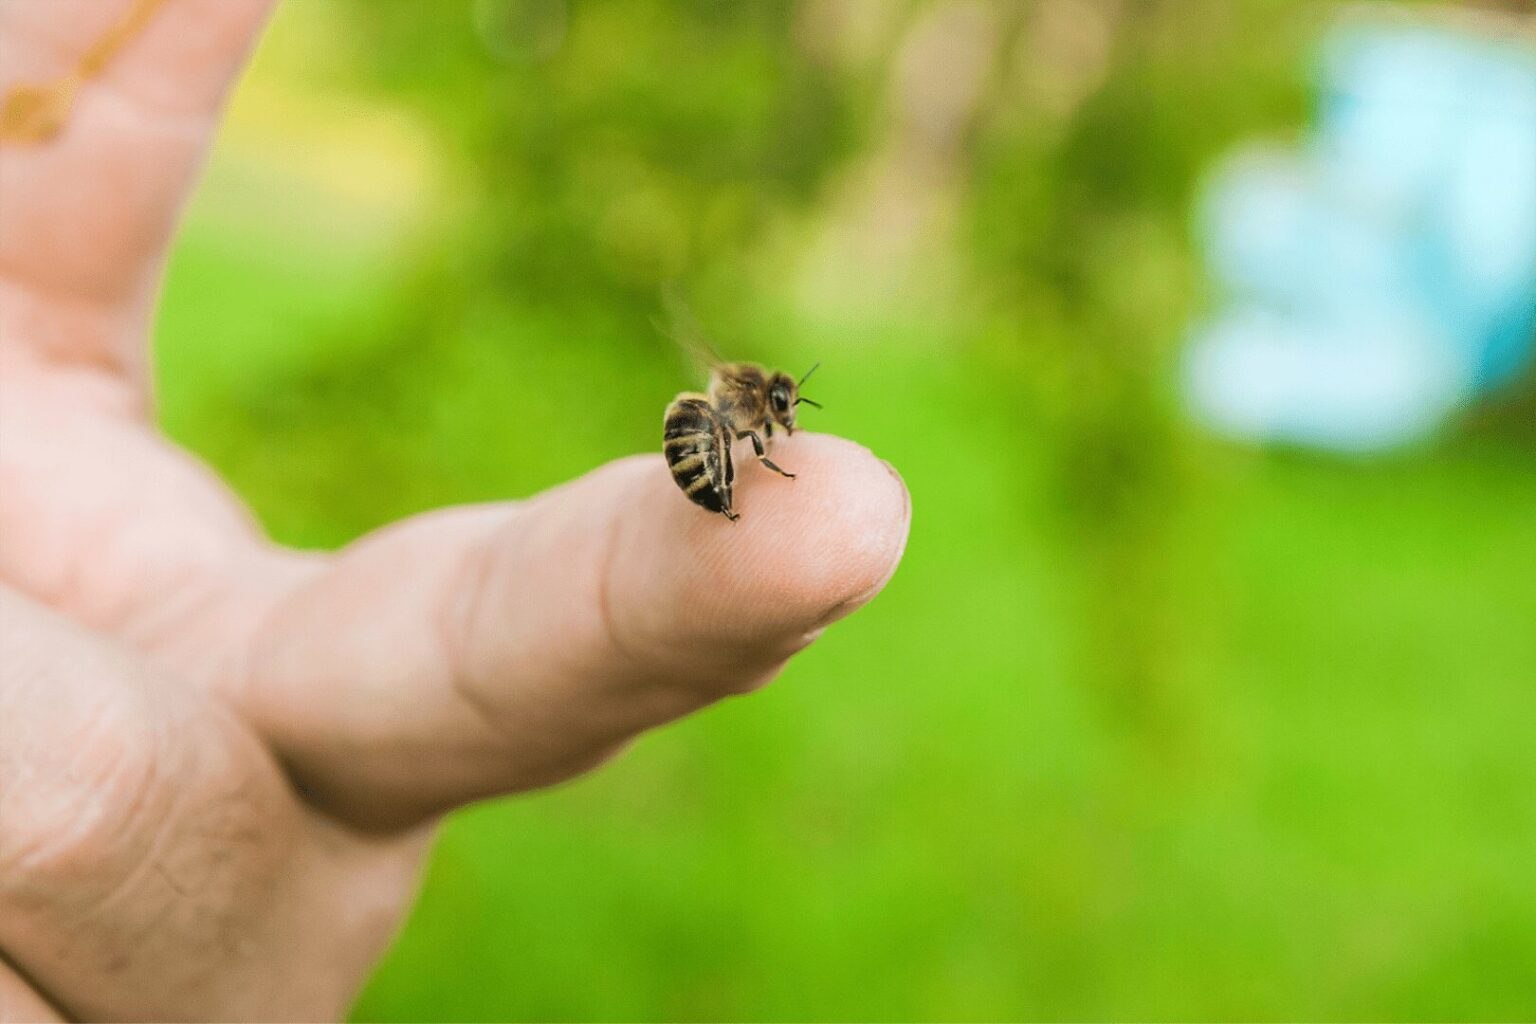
point(932, 814)
point(1145, 727)
point(925, 818)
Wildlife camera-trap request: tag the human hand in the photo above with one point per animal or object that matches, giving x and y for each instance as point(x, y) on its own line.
point(220, 760)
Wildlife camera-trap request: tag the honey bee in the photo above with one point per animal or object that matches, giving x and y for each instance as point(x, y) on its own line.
point(744, 401)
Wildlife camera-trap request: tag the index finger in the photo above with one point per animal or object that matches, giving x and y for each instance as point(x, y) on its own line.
point(477, 651)
point(118, 172)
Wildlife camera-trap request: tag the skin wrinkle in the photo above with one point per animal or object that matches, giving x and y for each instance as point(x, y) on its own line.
point(220, 832)
point(458, 624)
point(44, 294)
point(607, 564)
point(123, 957)
point(209, 847)
point(218, 851)
point(74, 345)
point(158, 831)
point(484, 555)
point(596, 751)
point(76, 570)
point(90, 852)
point(242, 664)
point(170, 880)
point(154, 779)
point(43, 860)
point(221, 918)
point(266, 575)
point(445, 626)
point(461, 622)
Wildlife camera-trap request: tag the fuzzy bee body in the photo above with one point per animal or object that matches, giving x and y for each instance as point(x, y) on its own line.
point(744, 401)
point(739, 394)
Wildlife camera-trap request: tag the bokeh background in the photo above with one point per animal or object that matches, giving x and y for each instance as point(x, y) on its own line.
point(1150, 723)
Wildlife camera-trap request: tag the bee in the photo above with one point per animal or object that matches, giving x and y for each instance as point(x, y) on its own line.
point(744, 401)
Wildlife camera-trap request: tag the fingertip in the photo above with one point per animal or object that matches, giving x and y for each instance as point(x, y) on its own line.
point(804, 553)
point(829, 540)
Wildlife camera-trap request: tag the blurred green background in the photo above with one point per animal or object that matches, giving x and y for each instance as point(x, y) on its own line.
point(1146, 726)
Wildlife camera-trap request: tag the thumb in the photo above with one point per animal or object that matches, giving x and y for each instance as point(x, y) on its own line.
point(490, 649)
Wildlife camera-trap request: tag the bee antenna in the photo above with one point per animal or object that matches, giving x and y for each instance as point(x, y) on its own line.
point(808, 401)
point(808, 376)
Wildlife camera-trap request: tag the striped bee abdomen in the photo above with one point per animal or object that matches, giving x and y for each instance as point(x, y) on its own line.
point(697, 446)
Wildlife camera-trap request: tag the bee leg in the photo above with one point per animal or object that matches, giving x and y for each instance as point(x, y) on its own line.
point(732, 516)
point(762, 453)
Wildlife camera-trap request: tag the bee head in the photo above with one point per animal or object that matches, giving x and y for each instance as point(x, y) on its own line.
point(784, 395)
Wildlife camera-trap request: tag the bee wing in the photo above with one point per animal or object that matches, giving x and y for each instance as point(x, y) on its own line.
point(683, 328)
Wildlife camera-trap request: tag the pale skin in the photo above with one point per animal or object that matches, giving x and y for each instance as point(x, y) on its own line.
point(221, 761)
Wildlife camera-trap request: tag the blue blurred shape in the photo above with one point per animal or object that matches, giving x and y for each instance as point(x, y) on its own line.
point(1383, 274)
